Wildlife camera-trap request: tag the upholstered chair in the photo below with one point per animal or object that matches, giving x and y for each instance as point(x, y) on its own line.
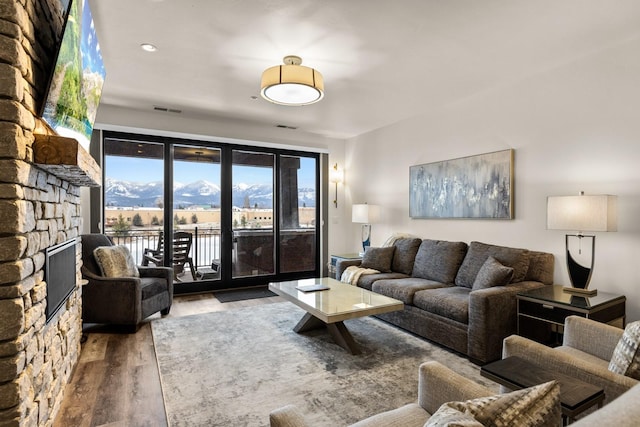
point(121, 300)
point(585, 353)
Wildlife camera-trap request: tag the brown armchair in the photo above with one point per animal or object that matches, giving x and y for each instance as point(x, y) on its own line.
point(122, 300)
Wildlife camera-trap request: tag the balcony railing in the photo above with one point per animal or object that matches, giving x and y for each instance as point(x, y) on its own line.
point(252, 248)
point(204, 249)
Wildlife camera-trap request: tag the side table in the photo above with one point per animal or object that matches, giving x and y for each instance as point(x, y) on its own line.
point(576, 396)
point(541, 311)
point(334, 261)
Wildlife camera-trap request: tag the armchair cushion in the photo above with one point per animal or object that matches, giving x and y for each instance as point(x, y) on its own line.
point(378, 258)
point(115, 261)
point(537, 406)
point(492, 273)
point(626, 356)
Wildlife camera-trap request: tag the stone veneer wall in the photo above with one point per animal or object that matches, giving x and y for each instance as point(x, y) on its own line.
point(37, 210)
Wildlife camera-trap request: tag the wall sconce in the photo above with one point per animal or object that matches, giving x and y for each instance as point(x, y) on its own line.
point(581, 213)
point(337, 177)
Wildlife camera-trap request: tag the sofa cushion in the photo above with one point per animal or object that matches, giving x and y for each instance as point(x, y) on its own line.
point(626, 356)
point(439, 260)
point(366, 281)
point(405, 255)
point(540, 267)
point(478, 253)
point(404, 289)
point(537, 406)
point(115, 261)
point(378, 258)
point(492, 273)
point(451, 302)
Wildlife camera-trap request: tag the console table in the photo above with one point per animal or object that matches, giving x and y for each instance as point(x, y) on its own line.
point(541, 311)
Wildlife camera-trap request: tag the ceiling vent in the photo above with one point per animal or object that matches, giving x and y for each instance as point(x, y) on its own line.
point(167, 110)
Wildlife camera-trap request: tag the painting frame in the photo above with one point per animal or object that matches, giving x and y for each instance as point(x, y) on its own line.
point(473, 187)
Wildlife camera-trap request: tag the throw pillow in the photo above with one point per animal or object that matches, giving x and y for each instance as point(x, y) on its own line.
point(479, 252)
point(439, 260)
point(492, 273)
point(405, 255)
point(115, 261)
point(378, 258)
point(537, 406)
point(626, 356)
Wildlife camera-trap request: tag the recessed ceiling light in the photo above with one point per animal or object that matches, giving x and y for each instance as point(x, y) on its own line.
point(148, 47)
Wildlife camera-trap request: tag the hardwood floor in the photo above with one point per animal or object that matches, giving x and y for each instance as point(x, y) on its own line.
point(116, 381)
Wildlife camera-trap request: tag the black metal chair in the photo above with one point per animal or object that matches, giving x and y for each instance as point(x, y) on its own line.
point(122, 300)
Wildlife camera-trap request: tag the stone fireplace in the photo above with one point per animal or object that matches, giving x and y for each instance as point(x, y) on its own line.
point(39, 207)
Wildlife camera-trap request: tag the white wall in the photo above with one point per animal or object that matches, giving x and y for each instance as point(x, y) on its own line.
point(575, 127)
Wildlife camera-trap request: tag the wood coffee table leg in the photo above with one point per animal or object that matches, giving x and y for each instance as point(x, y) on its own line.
point(308, 323)
point(338, 332)
point(342, 337)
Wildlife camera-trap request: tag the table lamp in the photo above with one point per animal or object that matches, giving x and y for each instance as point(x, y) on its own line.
point(365, 214)
point(581, 213)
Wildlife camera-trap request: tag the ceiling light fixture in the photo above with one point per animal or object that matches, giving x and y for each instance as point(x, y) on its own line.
point(148, 47)
point(292, 83)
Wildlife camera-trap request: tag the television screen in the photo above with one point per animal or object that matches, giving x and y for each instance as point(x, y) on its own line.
point(76, 84)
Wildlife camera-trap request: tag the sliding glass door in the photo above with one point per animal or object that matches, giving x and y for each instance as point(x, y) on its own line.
point(252, 199)
point(222, 216)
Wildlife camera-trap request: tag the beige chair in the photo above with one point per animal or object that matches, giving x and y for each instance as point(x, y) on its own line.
point(437, 384)
point(585, 353)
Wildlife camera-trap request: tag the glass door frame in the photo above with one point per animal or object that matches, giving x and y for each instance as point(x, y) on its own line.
point(226, 215)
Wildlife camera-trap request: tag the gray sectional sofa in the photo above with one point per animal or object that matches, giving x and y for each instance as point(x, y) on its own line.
point(458, 295)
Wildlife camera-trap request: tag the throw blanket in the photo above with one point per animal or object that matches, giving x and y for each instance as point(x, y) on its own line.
point(352, 274)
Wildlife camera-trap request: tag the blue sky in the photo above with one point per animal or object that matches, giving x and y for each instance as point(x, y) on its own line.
point(142, 170)
point(91, 56)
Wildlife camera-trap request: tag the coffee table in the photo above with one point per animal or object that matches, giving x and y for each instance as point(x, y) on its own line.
point(576, 396)
point(330, 308)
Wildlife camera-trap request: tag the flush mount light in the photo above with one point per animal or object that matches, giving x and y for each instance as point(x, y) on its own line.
point(292, 83)
point(148, 47)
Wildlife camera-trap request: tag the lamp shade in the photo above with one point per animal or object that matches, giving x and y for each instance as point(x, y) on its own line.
point(292, 83)
point(365, 214)
point(582, 213)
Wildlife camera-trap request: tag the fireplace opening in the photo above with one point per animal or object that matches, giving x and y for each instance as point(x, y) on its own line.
point(60, 275)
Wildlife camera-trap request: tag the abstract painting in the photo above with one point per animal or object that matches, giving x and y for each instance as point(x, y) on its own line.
point(478, 186)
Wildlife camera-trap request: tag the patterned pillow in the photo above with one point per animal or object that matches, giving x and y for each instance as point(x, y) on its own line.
point(492, 273)
point(626, 356)
point(378, 258)
point(115, 261)
point(537, 406)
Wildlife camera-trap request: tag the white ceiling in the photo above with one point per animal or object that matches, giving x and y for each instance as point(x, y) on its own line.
point(383, 61)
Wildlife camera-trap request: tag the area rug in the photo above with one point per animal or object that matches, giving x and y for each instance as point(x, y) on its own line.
point(243, 294)
point(231, 368)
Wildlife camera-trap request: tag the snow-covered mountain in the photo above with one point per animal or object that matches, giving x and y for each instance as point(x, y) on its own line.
point(199, 193)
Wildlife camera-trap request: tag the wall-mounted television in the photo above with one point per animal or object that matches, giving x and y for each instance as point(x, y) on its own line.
point(75, 86)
